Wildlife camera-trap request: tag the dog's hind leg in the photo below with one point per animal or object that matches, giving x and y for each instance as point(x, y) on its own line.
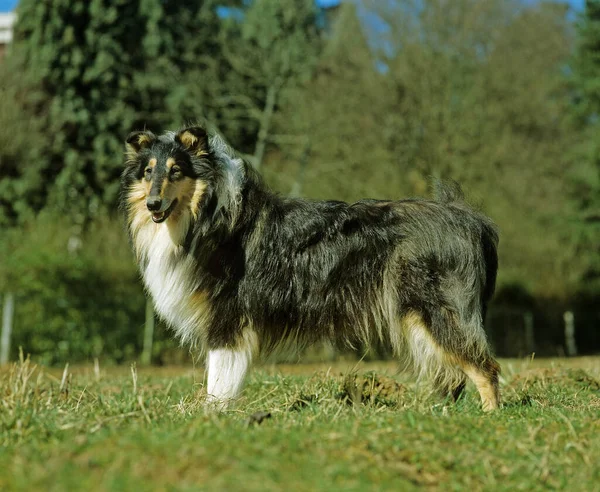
point(465, 346)
point(452, 385)
point(457, 391)
point(227, 369)
point(484, 374)
point(447, 350)
point(428, 357)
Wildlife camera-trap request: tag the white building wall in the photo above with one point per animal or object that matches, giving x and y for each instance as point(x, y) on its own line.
point(7, 20)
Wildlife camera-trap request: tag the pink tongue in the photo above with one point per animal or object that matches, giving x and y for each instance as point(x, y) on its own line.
point(158, 216)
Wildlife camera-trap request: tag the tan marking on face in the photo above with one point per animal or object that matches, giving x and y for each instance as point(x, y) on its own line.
point(188, 192)
point(136, 194)
point(170, 163)
point(199, 189)
point(164, 188)
point(181, 191)
point(139, 220)
point(148, 184)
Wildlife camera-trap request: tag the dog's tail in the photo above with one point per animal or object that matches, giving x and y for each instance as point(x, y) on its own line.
point(447, 191)
point(450, 192)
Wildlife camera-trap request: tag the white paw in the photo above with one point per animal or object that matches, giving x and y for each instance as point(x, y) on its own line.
point(215, 404)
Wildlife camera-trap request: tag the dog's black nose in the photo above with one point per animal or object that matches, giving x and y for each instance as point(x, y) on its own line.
point(153, 203)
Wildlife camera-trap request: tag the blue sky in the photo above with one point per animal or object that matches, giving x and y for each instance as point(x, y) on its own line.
point(8, 5)
point(577, 4)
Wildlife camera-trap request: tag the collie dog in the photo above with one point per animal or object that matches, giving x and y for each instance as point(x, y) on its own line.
point(240, 271)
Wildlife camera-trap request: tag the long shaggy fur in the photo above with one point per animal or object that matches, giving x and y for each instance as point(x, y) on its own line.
point(236, 267)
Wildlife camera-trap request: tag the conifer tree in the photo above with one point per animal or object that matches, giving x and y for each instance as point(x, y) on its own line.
point(93, 71)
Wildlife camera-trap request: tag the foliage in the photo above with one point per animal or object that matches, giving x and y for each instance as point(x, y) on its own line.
point(586, 111)
point(468, 90)
point(365, 99)
point(74, 301)
point(297, 429)
point(265, 48)
point(341, 115)
point(93, 71)
point(15, 146)
point(480, 101)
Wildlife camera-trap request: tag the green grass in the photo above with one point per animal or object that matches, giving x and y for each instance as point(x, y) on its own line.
point(330, 428)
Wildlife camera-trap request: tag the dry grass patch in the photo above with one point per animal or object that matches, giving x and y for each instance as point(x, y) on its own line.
point(346, 427)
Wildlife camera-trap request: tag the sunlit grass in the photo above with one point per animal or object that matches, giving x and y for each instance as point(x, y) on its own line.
point(325, 427)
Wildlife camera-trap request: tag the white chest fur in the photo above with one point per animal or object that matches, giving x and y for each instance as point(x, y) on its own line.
point(170, 280)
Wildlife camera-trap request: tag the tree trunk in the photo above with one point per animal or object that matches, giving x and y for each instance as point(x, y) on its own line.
point(265, 126)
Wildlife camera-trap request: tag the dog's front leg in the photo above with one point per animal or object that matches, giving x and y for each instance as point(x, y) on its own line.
point(227, 370)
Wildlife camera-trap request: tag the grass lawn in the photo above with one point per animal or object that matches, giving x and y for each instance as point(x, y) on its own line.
point(305, 427)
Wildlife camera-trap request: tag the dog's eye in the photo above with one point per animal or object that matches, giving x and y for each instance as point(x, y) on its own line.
point(147, 172)
point(175, 172)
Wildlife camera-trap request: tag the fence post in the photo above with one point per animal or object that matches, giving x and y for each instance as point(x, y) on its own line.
point(570, 344)
point(7, 320)
point(148, 333)
point(529, 334)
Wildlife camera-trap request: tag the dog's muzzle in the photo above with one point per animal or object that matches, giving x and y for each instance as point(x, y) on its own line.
point(157, 208)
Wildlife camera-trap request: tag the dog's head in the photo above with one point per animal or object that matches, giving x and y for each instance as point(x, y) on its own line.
point(179, 172)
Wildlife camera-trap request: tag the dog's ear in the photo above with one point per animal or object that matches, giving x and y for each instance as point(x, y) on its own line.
point(194, 139)
point(137, 141)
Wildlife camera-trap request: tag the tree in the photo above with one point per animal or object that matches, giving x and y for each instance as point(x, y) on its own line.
point(479, 95)
point(341, 113)
point(93, 71)
point(15, 145)
point(585, 81)
point(269, 51)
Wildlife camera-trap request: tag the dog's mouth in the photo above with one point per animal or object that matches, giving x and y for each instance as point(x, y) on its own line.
point(158, 217)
